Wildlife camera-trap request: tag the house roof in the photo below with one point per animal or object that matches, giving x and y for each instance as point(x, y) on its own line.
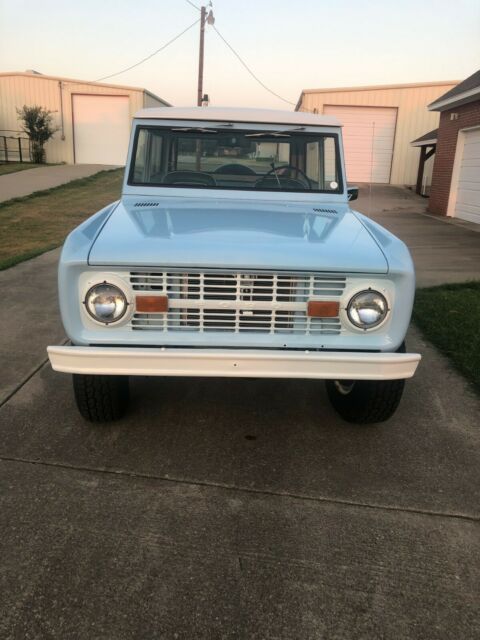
point(40, 76)
point(232, 114)
point(426, 140)
point(466, 91)
point(375, 87)
point(382, 86)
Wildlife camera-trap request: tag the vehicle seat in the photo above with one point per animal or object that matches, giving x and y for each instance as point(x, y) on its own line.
point(235, 170)
point(189, 178)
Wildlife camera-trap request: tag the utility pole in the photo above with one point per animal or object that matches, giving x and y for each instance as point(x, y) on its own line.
point(204, 18)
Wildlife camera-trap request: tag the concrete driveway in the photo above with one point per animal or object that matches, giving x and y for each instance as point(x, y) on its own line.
point(23, 183)
point(443, 249)
point(230, 508)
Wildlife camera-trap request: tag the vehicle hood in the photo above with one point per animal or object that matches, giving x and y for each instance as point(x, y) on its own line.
point(234, 233)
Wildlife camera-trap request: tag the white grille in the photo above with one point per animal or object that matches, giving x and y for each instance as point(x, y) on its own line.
point(235, 321)
point(237, 302)
point(238, 286)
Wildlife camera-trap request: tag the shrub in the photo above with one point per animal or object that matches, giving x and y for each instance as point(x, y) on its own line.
point(37, 123)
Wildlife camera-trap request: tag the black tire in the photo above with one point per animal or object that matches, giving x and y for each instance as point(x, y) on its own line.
point(101, 398)
point(365, 401)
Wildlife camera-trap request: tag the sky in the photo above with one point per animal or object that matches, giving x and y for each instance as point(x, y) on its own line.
point(289, 45)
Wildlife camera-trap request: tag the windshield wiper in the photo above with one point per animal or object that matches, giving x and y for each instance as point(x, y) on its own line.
point(197, 129)
point(260, 134)
point(274, 134)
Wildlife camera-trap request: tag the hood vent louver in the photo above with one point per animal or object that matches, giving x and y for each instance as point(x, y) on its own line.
point(146, 204)
point(319, 210)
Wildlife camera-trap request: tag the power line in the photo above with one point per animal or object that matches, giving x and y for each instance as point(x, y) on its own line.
point(250, 71)
point(193, 5)
point(151, 55)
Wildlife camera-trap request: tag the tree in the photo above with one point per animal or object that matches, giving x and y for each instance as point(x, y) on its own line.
point(37, 123)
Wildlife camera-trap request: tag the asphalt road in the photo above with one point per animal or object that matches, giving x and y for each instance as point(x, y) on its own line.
point(231, 508)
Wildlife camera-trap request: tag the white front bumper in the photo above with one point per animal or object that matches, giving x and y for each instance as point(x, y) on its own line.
point(260, 363)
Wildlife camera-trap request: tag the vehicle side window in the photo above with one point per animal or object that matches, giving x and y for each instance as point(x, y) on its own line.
point(321, 166)
point(148, 157)
point(329, 162)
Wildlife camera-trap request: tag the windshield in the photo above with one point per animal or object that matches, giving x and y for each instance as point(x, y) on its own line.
point(216, 158)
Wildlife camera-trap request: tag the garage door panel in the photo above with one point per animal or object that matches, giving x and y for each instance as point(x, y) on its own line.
point(368, 136)
point(471, 211)
point(473, 144)
point(381, 145)
point(470, 214)
point(101, 129)
point(466, 195)
point(470, 173)
point(362, 115)
point(471, 163)
point(383, 153)
point(467, 205)
point(472, 154)
point(473, 137)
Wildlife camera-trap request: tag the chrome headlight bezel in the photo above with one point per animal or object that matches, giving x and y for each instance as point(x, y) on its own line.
point(116, 290)
point(356, 321)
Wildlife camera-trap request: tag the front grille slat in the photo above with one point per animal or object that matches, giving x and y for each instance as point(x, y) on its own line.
point(237, 302)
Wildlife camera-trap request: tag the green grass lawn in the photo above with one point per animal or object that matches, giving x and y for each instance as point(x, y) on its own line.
point(13, 167)
point(34, 224)
point(449, 316)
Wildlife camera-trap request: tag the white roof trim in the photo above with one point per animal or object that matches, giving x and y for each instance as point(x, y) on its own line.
point(43, 76)
point(375, 87)
point(424, 143)
point(231, 114)
point(459, 98)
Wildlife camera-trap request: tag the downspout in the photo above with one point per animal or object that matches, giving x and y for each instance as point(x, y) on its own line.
point(60, 88)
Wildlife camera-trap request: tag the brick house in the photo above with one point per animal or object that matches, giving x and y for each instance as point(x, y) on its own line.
point(455, 189)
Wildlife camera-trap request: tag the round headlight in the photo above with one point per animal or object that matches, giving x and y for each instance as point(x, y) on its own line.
point(106, 302)
point(367, 309)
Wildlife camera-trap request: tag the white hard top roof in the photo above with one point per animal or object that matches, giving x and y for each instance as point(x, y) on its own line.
point(232, 114)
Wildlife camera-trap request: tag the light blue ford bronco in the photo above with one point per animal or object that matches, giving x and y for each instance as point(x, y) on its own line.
point(233, 251)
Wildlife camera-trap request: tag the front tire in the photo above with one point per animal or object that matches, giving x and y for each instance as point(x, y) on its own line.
point(365, 401)
point(101, 398)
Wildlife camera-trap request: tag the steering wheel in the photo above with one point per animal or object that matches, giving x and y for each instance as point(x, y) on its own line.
point(290, 167)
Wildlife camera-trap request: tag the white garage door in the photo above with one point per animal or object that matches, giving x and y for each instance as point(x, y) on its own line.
point(101, 126)
point(368, 134)
point(467, 204)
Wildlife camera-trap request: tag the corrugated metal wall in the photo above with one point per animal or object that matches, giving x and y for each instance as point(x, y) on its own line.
point(150, 101)
point(17, 90)
point(413, 117)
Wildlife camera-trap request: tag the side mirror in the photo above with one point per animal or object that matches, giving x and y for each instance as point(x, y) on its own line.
point(352, 193)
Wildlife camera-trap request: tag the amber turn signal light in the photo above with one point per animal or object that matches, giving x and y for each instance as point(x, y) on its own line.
point(320, 309)
point(151, 304)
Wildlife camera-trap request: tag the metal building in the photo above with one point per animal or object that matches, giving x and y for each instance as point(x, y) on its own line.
point(379, 122)
point(93, 118)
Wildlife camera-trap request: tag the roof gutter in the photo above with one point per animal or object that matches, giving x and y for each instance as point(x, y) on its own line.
point(455, 101)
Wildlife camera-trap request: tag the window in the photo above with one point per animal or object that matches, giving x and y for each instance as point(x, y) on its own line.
point(321, 165)
point(240, 159)
point(148, 157)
